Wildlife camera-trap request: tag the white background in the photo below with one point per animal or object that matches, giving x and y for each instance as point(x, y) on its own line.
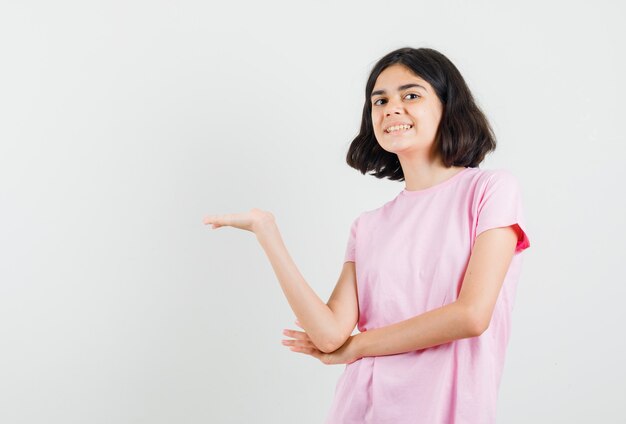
point(122, 124)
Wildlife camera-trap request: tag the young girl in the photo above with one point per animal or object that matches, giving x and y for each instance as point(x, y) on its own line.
point(430, 276)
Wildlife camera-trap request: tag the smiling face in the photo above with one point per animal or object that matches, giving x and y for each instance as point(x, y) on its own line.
point(401, 97)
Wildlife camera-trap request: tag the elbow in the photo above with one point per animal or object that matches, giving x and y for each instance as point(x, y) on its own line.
point(327, 340)
point(328, 348)
point(333, 342)
point(330, 345)
point(326, 343)
point(476, 323)
point(478, 326)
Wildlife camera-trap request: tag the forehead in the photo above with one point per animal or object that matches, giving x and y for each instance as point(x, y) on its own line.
point(395, 75)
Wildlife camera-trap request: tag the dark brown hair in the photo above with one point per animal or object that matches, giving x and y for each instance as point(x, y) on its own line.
point(464, 136)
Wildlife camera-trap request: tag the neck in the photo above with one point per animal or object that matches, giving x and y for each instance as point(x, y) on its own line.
point(421, 173)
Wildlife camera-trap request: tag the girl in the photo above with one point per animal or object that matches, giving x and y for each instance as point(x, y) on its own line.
point(430, 276)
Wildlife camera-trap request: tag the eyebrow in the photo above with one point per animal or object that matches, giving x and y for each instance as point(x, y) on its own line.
point(402, 87)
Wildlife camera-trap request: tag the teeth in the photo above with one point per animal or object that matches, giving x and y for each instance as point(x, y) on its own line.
point(398, 127)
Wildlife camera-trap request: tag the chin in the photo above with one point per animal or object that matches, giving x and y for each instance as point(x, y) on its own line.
point(395, 148)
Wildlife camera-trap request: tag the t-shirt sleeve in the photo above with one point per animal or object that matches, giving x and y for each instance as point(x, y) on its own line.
point(501, 206)
point(350, 253)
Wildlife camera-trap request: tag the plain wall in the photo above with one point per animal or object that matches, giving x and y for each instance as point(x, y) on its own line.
point(122, 124)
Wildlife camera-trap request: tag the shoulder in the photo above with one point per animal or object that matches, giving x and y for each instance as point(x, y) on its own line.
point(369, 218)
point(485, 179)
point(490, 174)
point(377, 212)
point(363, 216)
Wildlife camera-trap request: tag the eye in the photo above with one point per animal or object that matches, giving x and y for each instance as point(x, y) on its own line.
point(409, 94)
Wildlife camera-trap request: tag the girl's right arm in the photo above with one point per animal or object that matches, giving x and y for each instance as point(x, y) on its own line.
point(316, 317)
point(328, 326)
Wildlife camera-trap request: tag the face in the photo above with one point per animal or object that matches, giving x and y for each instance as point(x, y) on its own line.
point(393, 102)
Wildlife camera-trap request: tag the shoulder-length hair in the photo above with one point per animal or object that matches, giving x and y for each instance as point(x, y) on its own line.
point(464, 135)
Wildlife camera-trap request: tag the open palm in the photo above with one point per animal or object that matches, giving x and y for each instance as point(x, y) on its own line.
point(249, 221)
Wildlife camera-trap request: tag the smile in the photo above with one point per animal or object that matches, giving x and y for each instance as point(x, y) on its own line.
point(398, 129)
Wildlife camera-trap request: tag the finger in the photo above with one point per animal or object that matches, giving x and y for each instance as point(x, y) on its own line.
point(218, 220)
point(307, 351)
point(236, 220)
point(296, 334)
point(210, 220)
point(305, 341)
point(299, 343)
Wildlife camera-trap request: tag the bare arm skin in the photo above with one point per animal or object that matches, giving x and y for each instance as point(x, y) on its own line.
point(315, 316)
point(328, 325)
point(468, 316)
point(441, 325)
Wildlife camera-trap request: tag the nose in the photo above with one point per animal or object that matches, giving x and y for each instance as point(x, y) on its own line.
point(393, 107)
point(395, 111)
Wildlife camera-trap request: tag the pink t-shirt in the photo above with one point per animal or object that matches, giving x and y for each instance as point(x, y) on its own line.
point(410, 256)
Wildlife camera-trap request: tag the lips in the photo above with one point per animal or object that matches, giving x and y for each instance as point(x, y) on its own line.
point(397, 131)
point(395, 124)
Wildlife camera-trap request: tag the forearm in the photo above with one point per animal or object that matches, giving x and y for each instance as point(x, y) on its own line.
point(432, 328)
point(314, 315)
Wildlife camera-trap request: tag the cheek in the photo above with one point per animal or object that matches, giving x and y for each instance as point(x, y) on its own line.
point(434, 115)
point(427, 118)
point(376, 120)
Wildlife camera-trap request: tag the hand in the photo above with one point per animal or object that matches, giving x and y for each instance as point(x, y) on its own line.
point(253, 220)
point(346, 354)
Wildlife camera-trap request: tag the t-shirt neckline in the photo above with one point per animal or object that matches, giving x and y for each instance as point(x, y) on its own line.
point(435, 187)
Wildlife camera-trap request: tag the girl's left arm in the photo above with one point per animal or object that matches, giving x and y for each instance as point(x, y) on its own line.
point(441, 325)
point(468, 316)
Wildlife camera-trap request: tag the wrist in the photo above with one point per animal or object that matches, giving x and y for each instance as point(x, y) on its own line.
point(358, 342)
point(265, 226)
